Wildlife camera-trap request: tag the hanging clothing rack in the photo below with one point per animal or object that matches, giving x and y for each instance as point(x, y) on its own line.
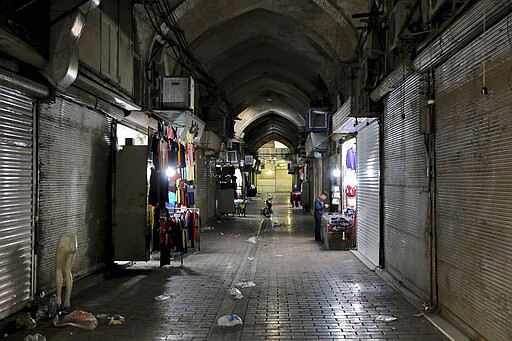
point(192, 235)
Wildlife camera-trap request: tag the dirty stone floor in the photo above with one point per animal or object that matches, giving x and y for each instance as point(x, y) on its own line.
point(300, 292)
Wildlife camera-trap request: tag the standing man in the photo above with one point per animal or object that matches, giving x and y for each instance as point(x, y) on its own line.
point(319, 211)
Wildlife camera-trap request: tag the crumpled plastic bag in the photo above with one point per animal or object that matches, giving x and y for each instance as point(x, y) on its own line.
point(235, 293)
point(164, 297)
point(245, 284)
point(35, 337)
point(78, 318)
point(229, 320)
point(253, 240)
point(385, 318)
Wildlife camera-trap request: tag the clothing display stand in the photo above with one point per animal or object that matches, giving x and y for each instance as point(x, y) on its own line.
point(176, 230)
point(198, 226)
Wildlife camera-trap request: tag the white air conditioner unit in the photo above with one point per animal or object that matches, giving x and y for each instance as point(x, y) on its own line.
point(317, 120)
point(396, 22)
point(233, 144)
point(177, 93)
point(249, 159)
point(232, 156)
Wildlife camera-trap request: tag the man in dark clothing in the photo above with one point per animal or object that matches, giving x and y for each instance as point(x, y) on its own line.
point(319, 211)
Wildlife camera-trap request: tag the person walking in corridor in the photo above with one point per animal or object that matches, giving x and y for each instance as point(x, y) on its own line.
point(319, 211)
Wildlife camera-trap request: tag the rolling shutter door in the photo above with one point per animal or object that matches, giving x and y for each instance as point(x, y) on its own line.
point(205, 189)
point(201, 192)
point(75, 187)
point(16, 196)
point(367, 194)
point(211, 187)
point(406, 198)
point(474, 185)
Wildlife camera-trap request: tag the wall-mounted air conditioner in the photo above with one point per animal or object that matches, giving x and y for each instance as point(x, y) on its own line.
point(317, 120)
point(232, 156)
point(249, 160)
point(177, 93)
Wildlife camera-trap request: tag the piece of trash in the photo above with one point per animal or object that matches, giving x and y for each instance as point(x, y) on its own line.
point(251, 258)
point(78, 318)
point(115, 320)
point(279, 255)
point(419, 315)
point(221, 233)
point(25, 322)
point(196, 253)
point(229, 320)
point(35, 337)
point(237, 235)
point(235, 293)
point(41, 313)
point(52, 306)
point(245, 284)
point(253, 239)
point(162, 297)
point(219, 221)
point(208, 228)
point(385, 318)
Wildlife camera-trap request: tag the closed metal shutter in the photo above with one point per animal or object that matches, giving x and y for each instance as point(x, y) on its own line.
point(212, 186)
point(367, 192)
point(406, 198)
point(201, 193)
point(317, 177)
point(474, 185)
point(16, 196)
point(205, 187)
point(75, 188)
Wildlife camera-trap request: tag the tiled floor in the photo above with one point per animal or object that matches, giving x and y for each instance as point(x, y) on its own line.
point(301, 292)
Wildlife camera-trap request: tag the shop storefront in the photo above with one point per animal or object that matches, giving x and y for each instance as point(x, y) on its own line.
point(348, 170)
point(18, 188)
point(405, 183)
point(473, 180)
point(75, 148)
point(367, 191)
point(166, 218)
point(344, 188)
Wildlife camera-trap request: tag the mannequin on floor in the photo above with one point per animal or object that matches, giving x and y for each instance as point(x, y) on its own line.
point(65, 255)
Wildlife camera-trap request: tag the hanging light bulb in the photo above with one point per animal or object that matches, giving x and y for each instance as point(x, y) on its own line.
point(170, 172)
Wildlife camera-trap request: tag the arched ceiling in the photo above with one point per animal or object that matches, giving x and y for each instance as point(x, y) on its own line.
point(271, 59)
point(268, 127)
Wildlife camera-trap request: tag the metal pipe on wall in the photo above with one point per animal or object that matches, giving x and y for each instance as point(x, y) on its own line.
point(12, 80)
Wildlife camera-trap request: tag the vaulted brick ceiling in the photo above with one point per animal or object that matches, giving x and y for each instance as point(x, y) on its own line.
point(272, 59)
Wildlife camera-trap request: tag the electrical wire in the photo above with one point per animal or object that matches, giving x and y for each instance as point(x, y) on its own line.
point(160, 11)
